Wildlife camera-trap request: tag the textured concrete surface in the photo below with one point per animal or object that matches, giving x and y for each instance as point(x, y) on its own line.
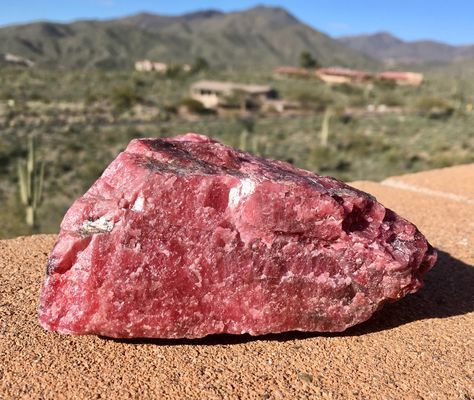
point(457, 180)
point(419, 348)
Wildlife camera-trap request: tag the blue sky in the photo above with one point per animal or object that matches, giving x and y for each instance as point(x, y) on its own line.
point(445, 20)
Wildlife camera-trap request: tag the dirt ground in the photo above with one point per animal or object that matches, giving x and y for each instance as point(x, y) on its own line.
point(419, 348)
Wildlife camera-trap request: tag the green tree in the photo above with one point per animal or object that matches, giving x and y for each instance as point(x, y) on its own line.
point(199, 64)
point(307, 60)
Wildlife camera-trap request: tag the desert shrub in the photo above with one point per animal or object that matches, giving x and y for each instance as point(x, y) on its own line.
point(170, 108)
point(318, 101)
point(329, 159)
point(348, 89)
point(132, 133)
point(139, 82)
point(6, 153)
point(434, 107)
point(90, 98)
point(357, 100)
point(390, 99)
point(361, 145)
point(247, 123)
point(124, 97)
point(193, 106)
point(174, 71)
point(90, 171)
point(385, 84)
point(11, 215)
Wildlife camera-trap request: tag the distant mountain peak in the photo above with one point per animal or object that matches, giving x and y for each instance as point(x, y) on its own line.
point(266, 8)
point(203, 13)
point(377, 39)
point(150, 21)
point(388, 47)
point(200, 13)
point(143, 14)
point(271, 11)
point(262, 36)
point(385, 34)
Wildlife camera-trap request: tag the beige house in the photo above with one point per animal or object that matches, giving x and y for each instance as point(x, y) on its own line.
point(402, 78)
point(339, 75)
point(16, 60)
point(213, 94)
point(148, 65)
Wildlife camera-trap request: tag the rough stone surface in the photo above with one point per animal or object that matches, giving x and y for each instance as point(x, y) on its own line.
point(186, 237)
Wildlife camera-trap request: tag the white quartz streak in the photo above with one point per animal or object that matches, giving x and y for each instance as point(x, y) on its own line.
point(245, 188)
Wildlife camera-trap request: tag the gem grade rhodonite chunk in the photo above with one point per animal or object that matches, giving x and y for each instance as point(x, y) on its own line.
point(186, 237)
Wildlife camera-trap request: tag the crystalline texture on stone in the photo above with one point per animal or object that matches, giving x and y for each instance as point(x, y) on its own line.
point(186, 237)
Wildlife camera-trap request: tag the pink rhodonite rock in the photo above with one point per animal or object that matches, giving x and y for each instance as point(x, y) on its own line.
point(186, 237)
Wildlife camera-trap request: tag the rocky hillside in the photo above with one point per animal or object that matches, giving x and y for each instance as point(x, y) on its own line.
point(261, 36)
point(386, 47)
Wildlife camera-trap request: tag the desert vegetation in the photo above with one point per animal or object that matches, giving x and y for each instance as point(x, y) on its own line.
point(81, 119)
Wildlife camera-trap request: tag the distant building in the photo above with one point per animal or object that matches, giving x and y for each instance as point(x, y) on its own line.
point(342, 75)
point(338, 75)
point(402, 78)
point(16, 60)
point(293, 72)
point(147, 66)
point(213, 94)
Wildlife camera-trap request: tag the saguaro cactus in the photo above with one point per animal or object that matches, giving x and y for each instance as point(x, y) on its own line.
point(243, 142)
point(30, 183)
point(246, 135)
point(258, 146)
point(325, 127)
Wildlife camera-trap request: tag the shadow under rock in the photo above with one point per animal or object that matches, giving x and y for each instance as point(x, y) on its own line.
point(448, 291)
